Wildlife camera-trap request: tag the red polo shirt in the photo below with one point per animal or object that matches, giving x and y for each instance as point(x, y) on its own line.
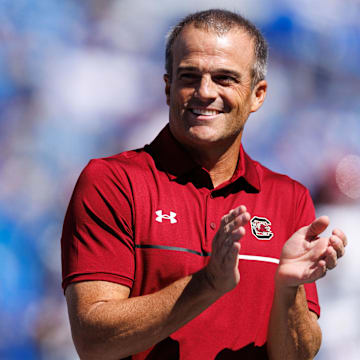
point(147, 217)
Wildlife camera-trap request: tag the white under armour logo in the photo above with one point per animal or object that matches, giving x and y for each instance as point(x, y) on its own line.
point(170, 217)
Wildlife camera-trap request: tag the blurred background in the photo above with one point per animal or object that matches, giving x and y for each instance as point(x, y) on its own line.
point(83, 79)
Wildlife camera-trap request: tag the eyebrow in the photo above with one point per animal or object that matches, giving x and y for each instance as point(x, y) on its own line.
point(215, 71)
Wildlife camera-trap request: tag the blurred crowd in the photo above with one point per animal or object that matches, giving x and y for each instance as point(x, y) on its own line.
point(83, 79)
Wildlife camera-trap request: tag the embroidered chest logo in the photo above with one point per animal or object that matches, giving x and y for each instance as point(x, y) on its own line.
point(261, 228)
point(161, 216)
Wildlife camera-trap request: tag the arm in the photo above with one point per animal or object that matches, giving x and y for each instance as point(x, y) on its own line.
point(294, 332)
point(106, 323)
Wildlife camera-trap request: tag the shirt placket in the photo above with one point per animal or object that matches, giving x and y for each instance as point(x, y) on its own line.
point(211, 219)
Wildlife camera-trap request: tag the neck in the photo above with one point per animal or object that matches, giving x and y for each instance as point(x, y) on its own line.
point(219, 161)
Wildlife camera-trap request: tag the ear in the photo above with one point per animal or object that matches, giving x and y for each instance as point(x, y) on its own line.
point(167, 88)
point(258, 95)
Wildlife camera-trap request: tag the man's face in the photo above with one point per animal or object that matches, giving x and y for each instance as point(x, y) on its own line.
point(210, 95)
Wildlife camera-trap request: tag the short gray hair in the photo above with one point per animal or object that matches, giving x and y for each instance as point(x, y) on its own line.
point(221, 21)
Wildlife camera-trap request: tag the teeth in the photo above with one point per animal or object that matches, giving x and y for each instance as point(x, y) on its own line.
point(204, 112)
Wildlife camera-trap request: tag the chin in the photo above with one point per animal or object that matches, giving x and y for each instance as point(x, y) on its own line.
point(197, 135)
point(203, 133)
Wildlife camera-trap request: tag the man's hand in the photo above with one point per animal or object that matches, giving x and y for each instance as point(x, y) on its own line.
point(222, 271)
point(294, 332)
point(306, 256)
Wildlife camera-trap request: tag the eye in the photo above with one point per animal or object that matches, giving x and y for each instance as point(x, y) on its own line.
point(189, 77)
point(224, 79)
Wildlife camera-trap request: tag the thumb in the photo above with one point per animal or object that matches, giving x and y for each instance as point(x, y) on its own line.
point(317, 226)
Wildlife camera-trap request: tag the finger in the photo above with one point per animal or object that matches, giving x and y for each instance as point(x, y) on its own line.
point(341, 235)
point(237, 221)
point(223, 248)
point(226, 219)
point(230, 232)
point(231, 253)
point(233, 214)
point(318, 249)
point(330, 258)
point(240, 220)
point(238, 233)
point(233, 237)
point(231, 241)
point(224, 239)
point(230, 246)
point(317, 226)
point(338, 245)
point(317, 271)
point(320, 270)
point(240, 209)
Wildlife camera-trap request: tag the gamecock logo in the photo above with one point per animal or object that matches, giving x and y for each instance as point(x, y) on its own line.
point(261, 228)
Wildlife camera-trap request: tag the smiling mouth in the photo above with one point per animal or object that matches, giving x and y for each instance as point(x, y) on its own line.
point(205, 112)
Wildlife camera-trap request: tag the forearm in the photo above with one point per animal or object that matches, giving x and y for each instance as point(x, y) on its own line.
point(107, 324)
point(118, 328)
point(294, 333)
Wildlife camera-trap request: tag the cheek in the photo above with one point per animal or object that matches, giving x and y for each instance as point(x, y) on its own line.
point(180, 98)
point(239, 100)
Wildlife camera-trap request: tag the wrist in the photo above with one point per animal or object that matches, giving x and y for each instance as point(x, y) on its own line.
point(284, 286)
point(208, 282)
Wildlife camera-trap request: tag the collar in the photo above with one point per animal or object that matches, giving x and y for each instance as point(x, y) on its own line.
point(176, 161)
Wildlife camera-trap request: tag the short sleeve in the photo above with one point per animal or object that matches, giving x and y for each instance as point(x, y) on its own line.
point(305, 214)
point(97, 238)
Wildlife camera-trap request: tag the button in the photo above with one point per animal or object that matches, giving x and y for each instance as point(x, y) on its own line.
point(213, 225)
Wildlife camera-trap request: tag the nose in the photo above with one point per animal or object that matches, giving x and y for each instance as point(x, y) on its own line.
point(206, 89)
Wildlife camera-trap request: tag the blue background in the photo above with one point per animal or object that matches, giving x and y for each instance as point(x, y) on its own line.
point(83, 79)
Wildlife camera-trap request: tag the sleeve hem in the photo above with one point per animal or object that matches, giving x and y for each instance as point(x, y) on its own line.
point(115, 278)
point(314, 307)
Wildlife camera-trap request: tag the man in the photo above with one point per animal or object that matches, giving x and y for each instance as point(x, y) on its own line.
point(188, 248)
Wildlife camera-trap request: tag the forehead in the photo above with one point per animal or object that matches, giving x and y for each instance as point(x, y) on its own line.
point(202, 47)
